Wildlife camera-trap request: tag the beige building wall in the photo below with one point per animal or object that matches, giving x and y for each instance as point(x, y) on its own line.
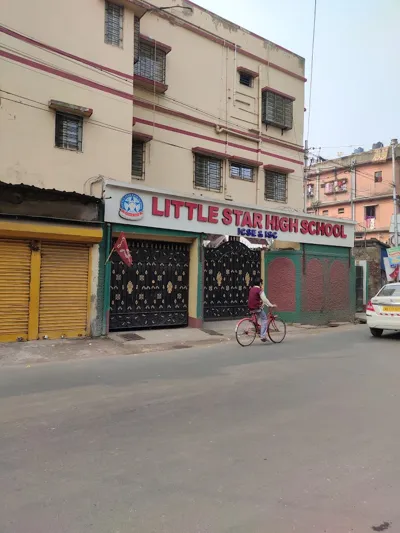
point(31, 76)
point(204, 94)
point(57, 55)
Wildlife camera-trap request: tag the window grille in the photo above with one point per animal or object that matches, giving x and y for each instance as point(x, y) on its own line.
point(275, 186)
point(207, 172)
point(69, 130)
point(138, 158)
point(242, 172)
point(151, 63)
point(114, 23)
point(246, 79)
point(277, 110)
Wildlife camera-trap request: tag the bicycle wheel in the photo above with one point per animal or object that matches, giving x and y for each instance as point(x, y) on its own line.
point(276, 330)
point(246, 332)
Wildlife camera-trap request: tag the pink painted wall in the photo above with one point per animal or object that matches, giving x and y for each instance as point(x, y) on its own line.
point(365, 183)
point(383, 212)
point(337, 204)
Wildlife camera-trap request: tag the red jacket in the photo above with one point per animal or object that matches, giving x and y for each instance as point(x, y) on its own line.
point(255, 301)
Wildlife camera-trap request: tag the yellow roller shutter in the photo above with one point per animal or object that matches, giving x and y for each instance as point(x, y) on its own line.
point(15, 276)
point(64, 276)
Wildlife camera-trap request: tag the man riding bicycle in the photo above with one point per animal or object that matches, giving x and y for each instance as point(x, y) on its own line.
point(257, 300)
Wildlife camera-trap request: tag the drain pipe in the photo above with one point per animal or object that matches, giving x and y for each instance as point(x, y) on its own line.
point(259, 124)
point(222, 129)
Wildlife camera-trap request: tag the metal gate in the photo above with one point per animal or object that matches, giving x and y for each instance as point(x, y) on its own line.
point(228, 272)
point(154, 291)
point(64, 290)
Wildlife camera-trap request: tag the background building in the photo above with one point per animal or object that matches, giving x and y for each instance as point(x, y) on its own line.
point(329, 190)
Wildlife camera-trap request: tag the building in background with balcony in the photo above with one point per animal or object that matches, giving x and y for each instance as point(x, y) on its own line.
point(329, 190)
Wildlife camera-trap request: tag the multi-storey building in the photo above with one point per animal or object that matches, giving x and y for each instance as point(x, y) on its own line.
point(181, 124)
point(369, 199)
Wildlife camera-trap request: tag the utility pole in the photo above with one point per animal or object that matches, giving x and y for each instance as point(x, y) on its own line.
point(393, 143)
point(353, 188)
point(305, 177)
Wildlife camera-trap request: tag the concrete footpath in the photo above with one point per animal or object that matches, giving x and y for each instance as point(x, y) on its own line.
point(133, 343)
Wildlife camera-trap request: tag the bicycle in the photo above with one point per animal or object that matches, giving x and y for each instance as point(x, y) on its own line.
point(248, 328)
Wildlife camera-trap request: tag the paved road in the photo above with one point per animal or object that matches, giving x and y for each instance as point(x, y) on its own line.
point(299, 437)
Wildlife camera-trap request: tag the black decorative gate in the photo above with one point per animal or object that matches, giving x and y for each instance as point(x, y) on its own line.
point(228, 271)
point(154, 291)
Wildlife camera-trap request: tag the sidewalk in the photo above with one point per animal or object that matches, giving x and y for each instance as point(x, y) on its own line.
point(129, 343)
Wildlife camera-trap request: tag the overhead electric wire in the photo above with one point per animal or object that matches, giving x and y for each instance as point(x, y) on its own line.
point(311, 69)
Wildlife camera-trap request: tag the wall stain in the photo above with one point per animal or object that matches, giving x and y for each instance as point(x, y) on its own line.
point(382, 527)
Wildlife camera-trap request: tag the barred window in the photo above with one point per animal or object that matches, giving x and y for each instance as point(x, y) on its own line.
point(275, 186)
point(246, 79)
point(136, 39)
point(242, 172)
point(69, 132)
point(277, 110)
point(114, 23)
point(151, 63)
point(207, 172)
point(138, 159)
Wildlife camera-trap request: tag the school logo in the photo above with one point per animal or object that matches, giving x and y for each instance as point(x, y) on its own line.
point(131, 207)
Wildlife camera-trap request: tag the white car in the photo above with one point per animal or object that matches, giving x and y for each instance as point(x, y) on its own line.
point(383, 311)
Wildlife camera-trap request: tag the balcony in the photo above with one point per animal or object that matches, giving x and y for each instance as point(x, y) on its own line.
point(335, 187)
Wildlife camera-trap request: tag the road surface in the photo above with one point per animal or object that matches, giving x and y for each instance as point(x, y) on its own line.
point(300, 437)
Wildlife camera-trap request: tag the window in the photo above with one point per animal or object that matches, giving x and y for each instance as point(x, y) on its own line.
point(277, 110)
point(136, 39)
point(340, 210)
point(151, 63)
point(114, 24)
point(390, 290)
point(370, 211)
point(69, 132)
point(241, 172)
point(310, 190)
point(325, 212)
point(246, 79)
point(336, 186)
point(207, 172)
point(138, 159)
point(378, 177)
point(275, 186)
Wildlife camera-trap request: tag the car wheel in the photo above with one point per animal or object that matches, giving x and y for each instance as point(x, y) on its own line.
point(376, 332)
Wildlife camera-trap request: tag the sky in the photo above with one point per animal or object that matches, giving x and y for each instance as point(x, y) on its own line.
point(356, 76)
